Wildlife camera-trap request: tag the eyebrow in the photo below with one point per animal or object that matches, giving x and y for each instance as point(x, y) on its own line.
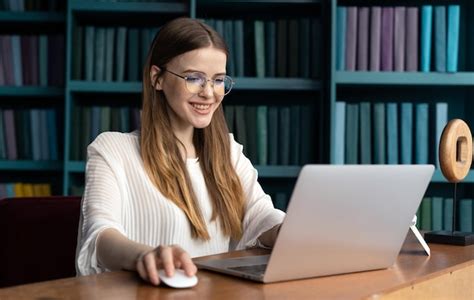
point(197, 71)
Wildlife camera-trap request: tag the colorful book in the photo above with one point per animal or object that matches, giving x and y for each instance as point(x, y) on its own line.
point(441, 121)
point(339, 132)
point(411, 55)
point(399, 33)
point(362, 39)
point(437, 213)
point(262, 135)
point(454, 15)
point(426, 28)
point(351, 38)
point(392, 133)
point(273, 134)
point(352, 133)
point(375, 37)
point(379, 133)
point(406, 125)
point(365, 133)
point(421, 134)
point(387, 39)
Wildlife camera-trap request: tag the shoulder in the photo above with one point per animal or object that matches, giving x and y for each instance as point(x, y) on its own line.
point(115, 143)
point(235, 148)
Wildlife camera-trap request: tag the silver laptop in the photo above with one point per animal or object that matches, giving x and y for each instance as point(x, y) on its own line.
point(341, 219)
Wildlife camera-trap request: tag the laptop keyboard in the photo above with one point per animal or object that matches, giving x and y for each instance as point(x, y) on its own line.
point(254, 270)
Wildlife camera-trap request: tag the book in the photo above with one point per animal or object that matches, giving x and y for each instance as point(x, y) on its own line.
point(316, 48)
point(406, 125)
point(448, 214)
point(307, 129)
point(454, 12)
point(3, 142)
point(77, 59)
point(411, 55)
point(363, 39)
point(273, 134)
point(259, 36)
point(425, 31)
point(352, 133)
point(240, 126)
point(308, 47)
point(10, 134)
point(341, 16)
point(351, 38)
point(365, 133)
point(230, 41)
point(386, 51)
point(437, 213)
point(465, 215)
point(392, 133)
point(99, 54)
point(421, 134)
point(284, 129)
point(121, 46)
point(426, 213)
point(17, 64)
point(375, 37)
point(441, 121)
point(270, 48)
point(282, 48)
point(379, 133)
point(239, 42)
point(251, 130)
point(440, 38)
point(293, 48)
point(296, 131)
point(229, 113)
point(399, 33)
point(133, 72)
point(262, 135)
point(110, 46)
point(89, 52)
point(43, 60)
point(339, 132)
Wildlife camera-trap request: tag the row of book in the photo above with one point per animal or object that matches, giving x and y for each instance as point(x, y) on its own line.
point(273, 135)
point(398, 38)
point(389, 133)
point(89, 121)
point(29, 134)
point(36, 60)
point(20, 189)
point(436, 213)
point(272, 48)
point(32, 5)
point(111, 53)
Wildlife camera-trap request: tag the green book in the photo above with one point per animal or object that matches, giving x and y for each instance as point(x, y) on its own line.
point(352, 133)
point(43, 60)
point(365, 133)
point(109, 53)
point(262, 135)
point(273, 135)
point(120, 54)
point(239, 44)
point(251, 130)
point(437, 213)
point(259, 36)
point(99, 54)
point(465, 215)
point(284, 128)
point(114, 119)
point(105, 118)
point(89, 52)
point(78, 53)
point(426, 222)
point(241, 127)
point(379, 133)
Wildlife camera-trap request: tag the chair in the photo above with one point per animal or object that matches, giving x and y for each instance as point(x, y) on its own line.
point(38, 237)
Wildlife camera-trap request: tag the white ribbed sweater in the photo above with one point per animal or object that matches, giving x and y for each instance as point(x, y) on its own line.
point(120, 195)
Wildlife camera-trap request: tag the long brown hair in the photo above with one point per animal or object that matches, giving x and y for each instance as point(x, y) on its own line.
point(159, 146)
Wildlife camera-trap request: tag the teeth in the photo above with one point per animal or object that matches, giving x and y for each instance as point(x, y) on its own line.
point(201, 106)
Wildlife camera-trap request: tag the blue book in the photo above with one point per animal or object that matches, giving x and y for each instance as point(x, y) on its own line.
point(110, 46)
point(17, 64)
point(43, 59)
point(35, 135)
point(3, 142)
point(270, 50)
point(52, 134)
point(441, 121)
point(124, 119)
point(392, 133)
point(99, 54)
point(426, 24)
point(120, 55)
point(440, 38)
point(437, 213)
point(448, 214)
point(379, 133)
point(365, 133)
point(89, 52)
point(341, 15)
point(339, 132)
point(44, 135)
point(421, 135)
point(133, 61)
point(465, 215)
point(454, 12)
point(352, 133)
point(406, 125)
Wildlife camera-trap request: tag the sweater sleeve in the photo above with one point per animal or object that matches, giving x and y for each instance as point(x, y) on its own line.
point(260, 215)
point(100, 208)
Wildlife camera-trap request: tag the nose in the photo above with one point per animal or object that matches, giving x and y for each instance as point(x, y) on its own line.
point(208, 89)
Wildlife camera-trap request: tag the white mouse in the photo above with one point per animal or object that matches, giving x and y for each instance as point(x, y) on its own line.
point(178, 280)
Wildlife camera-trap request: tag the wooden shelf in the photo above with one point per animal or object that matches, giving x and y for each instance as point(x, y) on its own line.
point(405, 78)
point(31, 91)
point(39, 17)
point(31, 165)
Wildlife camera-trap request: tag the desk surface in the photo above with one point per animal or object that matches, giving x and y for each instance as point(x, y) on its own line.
point(410, 273)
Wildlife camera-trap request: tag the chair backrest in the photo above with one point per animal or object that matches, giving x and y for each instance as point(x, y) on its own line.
point(38, 237)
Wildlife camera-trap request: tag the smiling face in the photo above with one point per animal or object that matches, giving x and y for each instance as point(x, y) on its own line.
point(190, 110)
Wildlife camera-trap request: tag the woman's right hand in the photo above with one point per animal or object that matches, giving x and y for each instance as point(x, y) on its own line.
point(164, 257)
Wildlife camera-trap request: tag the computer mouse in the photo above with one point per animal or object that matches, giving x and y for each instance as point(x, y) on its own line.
point(178, 280)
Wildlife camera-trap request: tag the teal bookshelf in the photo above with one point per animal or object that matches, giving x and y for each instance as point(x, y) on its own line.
point(31, 91)
point(32, 17)
point(177, 7)
point(30, 165)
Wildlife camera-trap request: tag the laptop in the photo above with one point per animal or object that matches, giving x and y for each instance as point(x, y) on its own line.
point(340, 219)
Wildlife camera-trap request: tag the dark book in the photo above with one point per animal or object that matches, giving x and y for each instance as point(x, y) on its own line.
point(249, 49)
point(282, 48)
point(133, 73)
point(270, 48)
point(307, 128)
point(77, 59)
point(273, 135)
point(251, 131)
point(316, 48)
point(89, 52)
point(412, 28)
point(293, 48)
point(229, 38)
point(229, 113)
point(43, 60)
point(306, 40)
point(262, 135)
point(25, 59)
point(10, 134)
point(259, 40)
point(352, 133)
point(363, 39)
point(295, 134)
point(239, 43)
point(284, 128)
point(240, 126)
point(109, 53)
point(121, 46)
point(99, 54)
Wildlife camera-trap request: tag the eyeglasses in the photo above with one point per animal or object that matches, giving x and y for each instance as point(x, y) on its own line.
point(196, 82)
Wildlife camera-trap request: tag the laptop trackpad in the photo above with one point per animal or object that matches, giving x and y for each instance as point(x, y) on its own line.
point(237, 262)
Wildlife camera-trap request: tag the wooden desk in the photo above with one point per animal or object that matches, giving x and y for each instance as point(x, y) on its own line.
point(447, 274)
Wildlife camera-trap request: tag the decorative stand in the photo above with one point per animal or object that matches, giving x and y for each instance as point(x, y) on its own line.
point(455, 157)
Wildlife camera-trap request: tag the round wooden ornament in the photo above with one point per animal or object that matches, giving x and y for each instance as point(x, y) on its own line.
point(455, 150)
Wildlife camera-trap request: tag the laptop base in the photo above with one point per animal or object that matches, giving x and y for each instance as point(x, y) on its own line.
point(450, 237)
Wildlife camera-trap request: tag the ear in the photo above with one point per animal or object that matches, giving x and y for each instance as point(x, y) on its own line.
point(155, 73)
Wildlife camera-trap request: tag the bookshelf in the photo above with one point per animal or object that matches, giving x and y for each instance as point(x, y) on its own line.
point(356, 82)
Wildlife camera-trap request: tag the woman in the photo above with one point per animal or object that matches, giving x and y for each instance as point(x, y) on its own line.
point(181, 186)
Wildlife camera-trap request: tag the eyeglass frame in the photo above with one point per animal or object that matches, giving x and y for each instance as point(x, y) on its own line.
point(207, 80)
